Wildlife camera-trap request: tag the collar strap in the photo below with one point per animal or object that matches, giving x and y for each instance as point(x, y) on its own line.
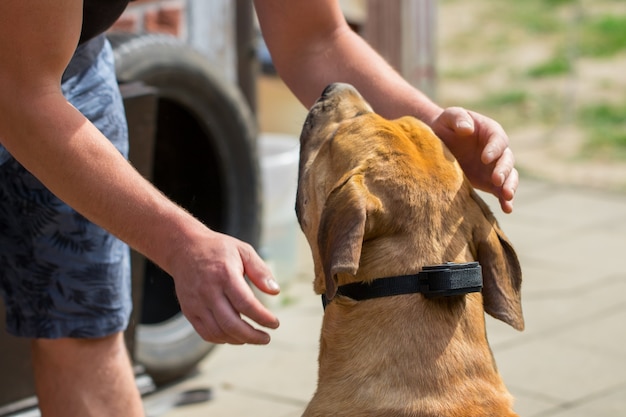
point(433, 281)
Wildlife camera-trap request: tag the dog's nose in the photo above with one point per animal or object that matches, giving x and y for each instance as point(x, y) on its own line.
point(336, 88)
point(329, 88)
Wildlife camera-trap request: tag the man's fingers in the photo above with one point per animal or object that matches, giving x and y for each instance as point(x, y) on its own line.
point(216, 314)
point(506, 193)
point(238, 299)
point(510, 185)
point(464, 125)
point(222, 324)
point(234, 328)
point(243, 300)
point(458, 120)
point(207, 328)
point(258, 272)
point(503, 168)
point(506, 205)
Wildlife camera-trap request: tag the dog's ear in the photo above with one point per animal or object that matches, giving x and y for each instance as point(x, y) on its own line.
point(502, 274)
point(341, 230)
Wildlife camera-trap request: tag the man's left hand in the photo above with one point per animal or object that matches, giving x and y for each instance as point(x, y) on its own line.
point(482, 148)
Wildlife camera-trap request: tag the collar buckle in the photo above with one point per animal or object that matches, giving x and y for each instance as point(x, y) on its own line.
point(450, 279)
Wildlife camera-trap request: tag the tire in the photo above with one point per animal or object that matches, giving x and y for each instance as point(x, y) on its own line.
point(205, 159)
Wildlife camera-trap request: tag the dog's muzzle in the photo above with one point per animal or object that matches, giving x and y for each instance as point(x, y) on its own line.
point(433, 281)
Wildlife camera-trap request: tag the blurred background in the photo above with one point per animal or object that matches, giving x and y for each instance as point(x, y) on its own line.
point(552, 72)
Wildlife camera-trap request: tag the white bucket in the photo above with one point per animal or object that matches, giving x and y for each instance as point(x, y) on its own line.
point(279, 156)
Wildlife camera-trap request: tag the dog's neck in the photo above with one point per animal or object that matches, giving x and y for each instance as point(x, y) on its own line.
point(406, 343)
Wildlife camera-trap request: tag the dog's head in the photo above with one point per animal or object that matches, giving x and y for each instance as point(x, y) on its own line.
point(378, 198)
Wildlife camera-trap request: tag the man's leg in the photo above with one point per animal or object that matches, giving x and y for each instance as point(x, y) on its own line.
point(85, 377)
point(87, 374)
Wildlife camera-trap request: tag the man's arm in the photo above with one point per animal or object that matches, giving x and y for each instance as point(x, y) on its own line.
point(76, 162)
point(312, 46)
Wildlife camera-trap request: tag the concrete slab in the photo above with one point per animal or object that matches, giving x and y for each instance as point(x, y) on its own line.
point(609, 403)
point(562, 372)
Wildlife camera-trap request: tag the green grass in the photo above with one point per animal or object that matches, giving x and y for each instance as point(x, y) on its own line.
point(534, 16)
point(603, 36)
point(555, 66)
point(605, 125)
point(506, 98)
point(508, 107)
point(517, 107)
point(554, 3)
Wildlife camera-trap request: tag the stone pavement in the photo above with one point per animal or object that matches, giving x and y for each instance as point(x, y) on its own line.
point(570, 360)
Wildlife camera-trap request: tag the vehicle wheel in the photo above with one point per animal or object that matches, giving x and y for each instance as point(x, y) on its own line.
point(205, 159)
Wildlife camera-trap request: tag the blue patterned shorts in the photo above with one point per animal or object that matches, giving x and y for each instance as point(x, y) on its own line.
point(60, 275)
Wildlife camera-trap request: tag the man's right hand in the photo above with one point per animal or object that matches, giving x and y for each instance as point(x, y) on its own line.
point(213, 292)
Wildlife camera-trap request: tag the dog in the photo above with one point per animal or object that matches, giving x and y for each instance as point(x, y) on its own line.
point(383, 198)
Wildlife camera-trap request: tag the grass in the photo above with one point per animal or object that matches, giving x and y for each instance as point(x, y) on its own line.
point(605, 125)
point(517, 107)
point(557, 65)
point(506, 98)
point(603, 36)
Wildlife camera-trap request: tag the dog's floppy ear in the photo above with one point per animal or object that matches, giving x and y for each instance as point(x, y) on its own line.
point(341, 230)
point(502, 274)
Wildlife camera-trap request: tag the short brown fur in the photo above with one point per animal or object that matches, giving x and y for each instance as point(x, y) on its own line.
point(379, 198)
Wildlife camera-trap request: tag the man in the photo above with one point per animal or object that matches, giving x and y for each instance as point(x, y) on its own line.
point(74, 302)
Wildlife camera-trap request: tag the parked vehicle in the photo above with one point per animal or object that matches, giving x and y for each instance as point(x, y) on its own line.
point(193, 135)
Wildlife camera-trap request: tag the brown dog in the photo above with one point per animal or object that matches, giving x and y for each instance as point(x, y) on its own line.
point(379, 198)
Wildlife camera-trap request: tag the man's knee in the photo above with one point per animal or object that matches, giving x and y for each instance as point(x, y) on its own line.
point(85, 377)
point(65, 351)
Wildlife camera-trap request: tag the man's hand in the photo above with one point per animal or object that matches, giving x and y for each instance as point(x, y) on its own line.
point(482, 148)
point(214, 294)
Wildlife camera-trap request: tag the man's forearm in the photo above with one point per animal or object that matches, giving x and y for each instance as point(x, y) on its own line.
point(72, 158)
point(348, 58)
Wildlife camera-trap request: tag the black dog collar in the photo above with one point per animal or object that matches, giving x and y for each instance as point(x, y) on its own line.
point(433, 281)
